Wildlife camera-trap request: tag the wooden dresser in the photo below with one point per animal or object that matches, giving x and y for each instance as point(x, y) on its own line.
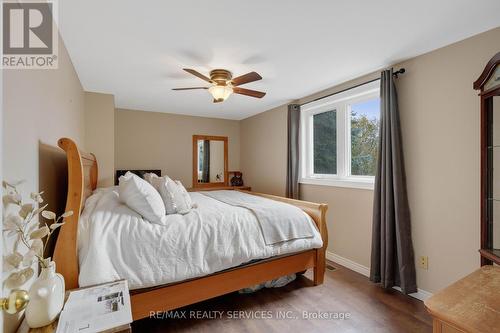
point(219, 188)
point(471, 304)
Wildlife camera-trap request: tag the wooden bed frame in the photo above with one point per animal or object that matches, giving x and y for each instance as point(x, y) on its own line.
point(82, 180)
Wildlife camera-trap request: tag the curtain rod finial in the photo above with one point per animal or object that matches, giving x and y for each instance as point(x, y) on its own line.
point(400, 71)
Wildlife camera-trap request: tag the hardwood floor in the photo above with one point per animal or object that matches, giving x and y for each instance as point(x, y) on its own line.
point(370, 309)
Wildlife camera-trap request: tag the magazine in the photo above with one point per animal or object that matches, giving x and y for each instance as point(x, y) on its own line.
point(96, 309)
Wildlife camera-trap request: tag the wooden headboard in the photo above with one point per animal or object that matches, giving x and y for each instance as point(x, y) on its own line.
point(82, 180)
point(140, 173)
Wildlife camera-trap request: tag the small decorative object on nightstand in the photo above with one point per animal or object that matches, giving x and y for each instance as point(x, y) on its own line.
point(237, 179)
point(46, 297)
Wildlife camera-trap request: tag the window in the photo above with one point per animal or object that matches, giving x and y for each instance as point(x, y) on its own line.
point(339, 138)
point(325, 142)
point(365, 118)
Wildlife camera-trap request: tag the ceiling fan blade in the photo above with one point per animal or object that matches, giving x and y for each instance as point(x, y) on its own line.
point(248, 92)
point(247, 78)
point(190, 88)
point(198, 74)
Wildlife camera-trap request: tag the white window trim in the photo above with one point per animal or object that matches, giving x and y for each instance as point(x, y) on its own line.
point(341, 104)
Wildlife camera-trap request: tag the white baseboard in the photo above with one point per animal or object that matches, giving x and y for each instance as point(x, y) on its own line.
point(363, 270)
point(354, 266)
point(420, 294)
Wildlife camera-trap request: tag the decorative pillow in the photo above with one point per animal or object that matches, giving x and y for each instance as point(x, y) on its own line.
point(187, 202)
point(175, 197)
point(141, 197)
point(149, 176)
point(155, 180)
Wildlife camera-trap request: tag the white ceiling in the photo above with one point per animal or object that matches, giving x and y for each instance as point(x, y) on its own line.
point(136, 49)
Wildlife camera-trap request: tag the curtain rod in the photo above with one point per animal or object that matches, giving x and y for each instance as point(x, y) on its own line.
point(395, 74)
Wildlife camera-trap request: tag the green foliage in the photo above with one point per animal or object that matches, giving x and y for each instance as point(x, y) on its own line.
point(325, 142)
point(364, 145)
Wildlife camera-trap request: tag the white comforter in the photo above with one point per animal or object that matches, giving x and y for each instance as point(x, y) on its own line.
point(114, 242)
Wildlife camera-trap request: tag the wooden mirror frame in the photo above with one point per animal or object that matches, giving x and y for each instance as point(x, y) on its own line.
point(195, 160)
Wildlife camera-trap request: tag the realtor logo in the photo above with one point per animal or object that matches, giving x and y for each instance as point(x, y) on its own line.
point(29, 34)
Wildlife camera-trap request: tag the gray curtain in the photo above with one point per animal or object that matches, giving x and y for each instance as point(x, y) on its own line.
point(205, 174)
point(392, 258)
point(292, 165)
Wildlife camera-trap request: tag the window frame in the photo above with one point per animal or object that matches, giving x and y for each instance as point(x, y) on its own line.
point(341, 103)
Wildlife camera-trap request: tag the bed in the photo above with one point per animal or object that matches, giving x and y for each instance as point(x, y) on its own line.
point(157, 289)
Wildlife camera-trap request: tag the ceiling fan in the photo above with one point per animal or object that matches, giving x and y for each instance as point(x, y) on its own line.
point(223, 84)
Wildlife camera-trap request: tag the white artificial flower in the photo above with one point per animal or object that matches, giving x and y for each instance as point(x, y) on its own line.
point(40, 233)
point(37, 211)
point(28, 273)
point(11, 198)
point(37, 246)
point(37, 197)
point(54, 226)
point(49, 215)
point(67, 214)
point(12, 222)
point(21, 223)
point(13, 260)
point(17, 279)
point(12, 184)
point(26, 209)
point(28, 257)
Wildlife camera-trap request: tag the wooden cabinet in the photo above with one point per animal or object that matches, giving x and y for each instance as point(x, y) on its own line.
point(439, 326)
point(471, 304)
point(489, 86)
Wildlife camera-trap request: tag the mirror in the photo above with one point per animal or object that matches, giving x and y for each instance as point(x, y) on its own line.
point(494, 159)
point(209, 161)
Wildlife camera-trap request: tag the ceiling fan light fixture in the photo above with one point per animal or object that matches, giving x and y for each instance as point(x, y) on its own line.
point(222, 84)
point(219, 92)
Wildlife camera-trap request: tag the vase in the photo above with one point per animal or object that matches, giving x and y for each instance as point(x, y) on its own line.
point(46, 297)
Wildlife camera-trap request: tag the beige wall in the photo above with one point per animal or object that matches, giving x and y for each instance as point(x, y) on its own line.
point(100, 134)
point(440, 117)
point(39, 107)
point(440, 124)
point(151, 140)
point(263, 151)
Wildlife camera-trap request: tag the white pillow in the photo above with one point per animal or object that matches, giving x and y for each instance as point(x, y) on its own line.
point(175, 197)
point(158, 182)
point(141, 197)
point(149, 176)
point(183, 199)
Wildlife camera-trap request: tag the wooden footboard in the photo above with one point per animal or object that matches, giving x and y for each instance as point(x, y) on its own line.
point(82, 180)
point(318, 214)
